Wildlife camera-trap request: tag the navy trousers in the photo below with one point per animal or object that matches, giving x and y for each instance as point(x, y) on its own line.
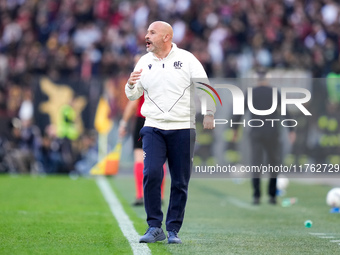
point(176, 146)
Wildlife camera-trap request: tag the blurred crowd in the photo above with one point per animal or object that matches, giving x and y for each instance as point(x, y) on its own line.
point(87, 39)
point(101, 37)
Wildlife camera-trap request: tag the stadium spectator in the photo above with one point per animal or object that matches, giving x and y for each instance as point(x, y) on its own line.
point(24, 147)
point(88, 154)
point(53, 154)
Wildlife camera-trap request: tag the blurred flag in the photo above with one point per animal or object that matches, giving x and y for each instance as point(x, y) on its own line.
point(102, 121)
point(109, 165)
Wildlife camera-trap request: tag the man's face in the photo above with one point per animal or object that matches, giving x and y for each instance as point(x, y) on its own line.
point(154, 38)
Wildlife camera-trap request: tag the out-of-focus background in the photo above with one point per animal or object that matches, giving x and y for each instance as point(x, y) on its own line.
point(59, 58)
point(63, 68)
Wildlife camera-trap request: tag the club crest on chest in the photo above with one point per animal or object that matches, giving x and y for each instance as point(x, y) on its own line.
point(178, 64)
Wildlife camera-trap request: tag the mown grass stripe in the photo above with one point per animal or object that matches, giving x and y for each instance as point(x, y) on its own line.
point(123, 219)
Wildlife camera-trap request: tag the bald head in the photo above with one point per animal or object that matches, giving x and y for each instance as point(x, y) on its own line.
point(159, 38)
point(164, 27)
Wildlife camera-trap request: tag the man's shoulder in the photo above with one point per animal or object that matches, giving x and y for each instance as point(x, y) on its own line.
point(186, 56)
point(145, 59)
point(146, 56)
point(185, 53)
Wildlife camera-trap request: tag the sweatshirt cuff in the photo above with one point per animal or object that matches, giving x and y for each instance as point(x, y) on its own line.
point(210, 113)
point(130, 86)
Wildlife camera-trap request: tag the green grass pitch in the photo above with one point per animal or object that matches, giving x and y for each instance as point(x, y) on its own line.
point(58, 215)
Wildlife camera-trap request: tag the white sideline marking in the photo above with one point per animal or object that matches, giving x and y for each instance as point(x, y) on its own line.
point(241, 204)
point(123, 220)
point(325, 236)
point(317, 234)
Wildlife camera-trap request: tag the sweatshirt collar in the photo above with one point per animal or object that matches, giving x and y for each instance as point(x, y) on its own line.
point(173, 49)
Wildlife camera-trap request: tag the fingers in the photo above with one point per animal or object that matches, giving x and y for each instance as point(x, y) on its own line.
point(134, 77)
point(208, 122)
point(208, 126)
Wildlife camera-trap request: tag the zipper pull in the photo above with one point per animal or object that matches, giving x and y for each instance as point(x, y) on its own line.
point(163, 65)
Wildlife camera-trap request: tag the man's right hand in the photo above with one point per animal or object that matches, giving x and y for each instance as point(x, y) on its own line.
point(134, 77)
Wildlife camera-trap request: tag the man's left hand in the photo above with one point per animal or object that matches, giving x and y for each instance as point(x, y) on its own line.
point(208, 122)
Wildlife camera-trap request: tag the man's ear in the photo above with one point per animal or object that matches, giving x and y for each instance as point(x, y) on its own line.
point(166, 38)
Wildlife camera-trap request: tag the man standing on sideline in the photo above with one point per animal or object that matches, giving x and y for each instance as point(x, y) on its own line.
point(264, 140)
point(165, 76)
